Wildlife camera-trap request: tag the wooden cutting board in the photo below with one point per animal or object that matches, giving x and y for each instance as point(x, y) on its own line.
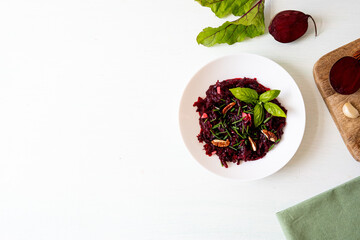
point(348, 128)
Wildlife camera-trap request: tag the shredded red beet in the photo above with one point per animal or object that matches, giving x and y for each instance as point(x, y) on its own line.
point(236, 125)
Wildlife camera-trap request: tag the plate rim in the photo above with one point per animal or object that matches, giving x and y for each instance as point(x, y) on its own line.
point(301, 131)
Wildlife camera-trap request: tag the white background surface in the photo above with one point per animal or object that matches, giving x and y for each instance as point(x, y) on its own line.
point(89, 141)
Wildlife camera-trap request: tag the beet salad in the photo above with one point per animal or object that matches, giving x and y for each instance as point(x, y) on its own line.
point(240, 120)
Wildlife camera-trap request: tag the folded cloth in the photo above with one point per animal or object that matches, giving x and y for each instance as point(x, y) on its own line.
point(334, 214)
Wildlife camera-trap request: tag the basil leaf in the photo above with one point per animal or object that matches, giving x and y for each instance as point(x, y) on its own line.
point(269, 95)
point(274, 109)
point(259, 115)
point(223, 8)
point(251, 24)
point(247, 95)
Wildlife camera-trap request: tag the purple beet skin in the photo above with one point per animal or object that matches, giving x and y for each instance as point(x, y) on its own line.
point(289, 25)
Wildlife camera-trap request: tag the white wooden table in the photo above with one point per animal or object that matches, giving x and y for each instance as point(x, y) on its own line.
point(90, 146)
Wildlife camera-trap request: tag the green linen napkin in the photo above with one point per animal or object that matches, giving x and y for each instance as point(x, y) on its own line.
point(334, 214)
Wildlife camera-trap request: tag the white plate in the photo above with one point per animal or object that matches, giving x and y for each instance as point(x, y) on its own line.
point(271, 75)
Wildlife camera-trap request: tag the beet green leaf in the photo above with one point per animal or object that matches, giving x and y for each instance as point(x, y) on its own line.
point(223, 8)
point(251, 24)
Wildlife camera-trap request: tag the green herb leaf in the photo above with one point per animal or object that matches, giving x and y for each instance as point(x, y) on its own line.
point(222, 8)
point(217, 125)
point(269, 95)
point(259, 115)
point(268, 119)
point(213, 133)
point(251, 24)
point(274, 109)
point(238, 133)
point(238, 111)
point(247, 95)
point(238, 120)
point(233, 148)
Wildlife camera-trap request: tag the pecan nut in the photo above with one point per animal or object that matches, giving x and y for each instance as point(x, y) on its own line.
point(269, 135)
point(220, 143)
point(228, 107)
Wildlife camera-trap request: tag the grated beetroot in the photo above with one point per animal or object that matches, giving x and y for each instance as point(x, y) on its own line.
point(218, 96)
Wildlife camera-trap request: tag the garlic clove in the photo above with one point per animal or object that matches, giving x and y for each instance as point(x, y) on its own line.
point(350, 111)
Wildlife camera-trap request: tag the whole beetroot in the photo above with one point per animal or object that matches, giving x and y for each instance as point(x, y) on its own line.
point(289, 25)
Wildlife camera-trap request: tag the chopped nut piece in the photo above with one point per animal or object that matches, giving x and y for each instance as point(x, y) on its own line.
point(228, 107)
point(269, 135)
point(253, 144)
point(220, 143)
